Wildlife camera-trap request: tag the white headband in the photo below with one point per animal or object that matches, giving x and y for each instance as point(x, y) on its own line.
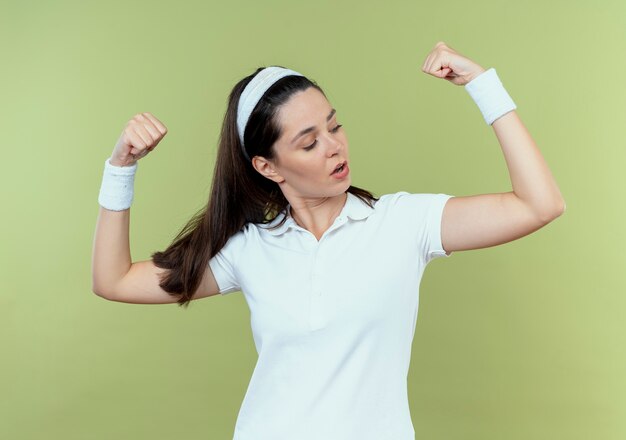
point(253, 92)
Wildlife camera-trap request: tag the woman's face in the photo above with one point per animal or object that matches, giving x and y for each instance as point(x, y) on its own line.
point(309, 149)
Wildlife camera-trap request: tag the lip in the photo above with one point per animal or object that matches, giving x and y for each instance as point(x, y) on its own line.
point(343, 174)
point(345, 163)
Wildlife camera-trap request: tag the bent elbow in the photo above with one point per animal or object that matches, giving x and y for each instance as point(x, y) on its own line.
point(99, 292)
point(552, 214)
point(560, 208)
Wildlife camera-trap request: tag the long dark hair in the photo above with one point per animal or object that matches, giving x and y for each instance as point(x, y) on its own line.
point(239, 194)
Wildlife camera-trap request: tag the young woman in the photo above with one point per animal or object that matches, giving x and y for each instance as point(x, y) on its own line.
point(331, 273)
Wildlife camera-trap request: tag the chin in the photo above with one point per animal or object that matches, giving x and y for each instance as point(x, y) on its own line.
point(346, 184)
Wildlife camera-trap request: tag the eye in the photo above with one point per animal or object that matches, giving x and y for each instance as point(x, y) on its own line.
point(334, 130)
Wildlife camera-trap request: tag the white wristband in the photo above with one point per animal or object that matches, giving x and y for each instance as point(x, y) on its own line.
point(490, 95)
point(116, 191)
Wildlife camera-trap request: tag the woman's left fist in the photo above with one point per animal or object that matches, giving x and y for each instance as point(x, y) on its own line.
point(444, 62)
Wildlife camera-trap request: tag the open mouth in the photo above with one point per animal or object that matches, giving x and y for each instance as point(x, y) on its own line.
point(339, 168)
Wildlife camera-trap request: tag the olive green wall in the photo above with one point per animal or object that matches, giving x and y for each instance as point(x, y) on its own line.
point(519, 341)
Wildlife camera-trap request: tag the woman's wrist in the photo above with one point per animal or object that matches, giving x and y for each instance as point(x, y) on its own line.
point(489, 94)
point(117, 188)
point(117, 163)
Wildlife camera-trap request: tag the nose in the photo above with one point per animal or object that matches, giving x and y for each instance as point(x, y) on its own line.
point(334, 146)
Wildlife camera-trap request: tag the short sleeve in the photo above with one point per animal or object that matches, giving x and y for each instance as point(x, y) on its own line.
point(433, 247)
point(223, 265)
point(418, 219)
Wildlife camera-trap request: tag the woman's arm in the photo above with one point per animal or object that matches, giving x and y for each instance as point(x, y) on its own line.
point(111, 258)
point(115, 278)
point(111, 249)
point(485, 220)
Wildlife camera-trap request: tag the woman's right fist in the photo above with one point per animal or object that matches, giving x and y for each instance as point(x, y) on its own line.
point(140, 136)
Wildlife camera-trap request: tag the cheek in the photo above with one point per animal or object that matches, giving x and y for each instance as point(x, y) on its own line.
point(311, 168)
point(298, 169)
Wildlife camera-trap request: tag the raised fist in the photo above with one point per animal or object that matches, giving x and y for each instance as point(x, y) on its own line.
point(140, 136)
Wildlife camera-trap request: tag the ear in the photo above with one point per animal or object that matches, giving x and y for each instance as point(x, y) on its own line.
point(267, 169)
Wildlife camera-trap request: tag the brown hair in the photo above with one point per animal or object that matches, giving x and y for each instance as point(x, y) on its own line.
point(239, 194)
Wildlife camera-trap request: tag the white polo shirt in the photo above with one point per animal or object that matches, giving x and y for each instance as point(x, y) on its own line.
point(333, 321)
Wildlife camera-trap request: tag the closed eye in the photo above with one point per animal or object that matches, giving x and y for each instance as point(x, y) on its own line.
point(334, 130)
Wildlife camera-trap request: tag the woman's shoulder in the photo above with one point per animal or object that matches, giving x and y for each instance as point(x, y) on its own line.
point(401, 196)
point(410, 200)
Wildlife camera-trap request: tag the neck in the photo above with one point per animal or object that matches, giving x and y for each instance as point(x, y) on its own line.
point(317, 214)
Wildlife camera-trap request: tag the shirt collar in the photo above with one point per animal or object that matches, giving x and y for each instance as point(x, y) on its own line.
point(354, 208)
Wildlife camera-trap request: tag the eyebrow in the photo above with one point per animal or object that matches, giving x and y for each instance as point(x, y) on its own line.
point(310, 129)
